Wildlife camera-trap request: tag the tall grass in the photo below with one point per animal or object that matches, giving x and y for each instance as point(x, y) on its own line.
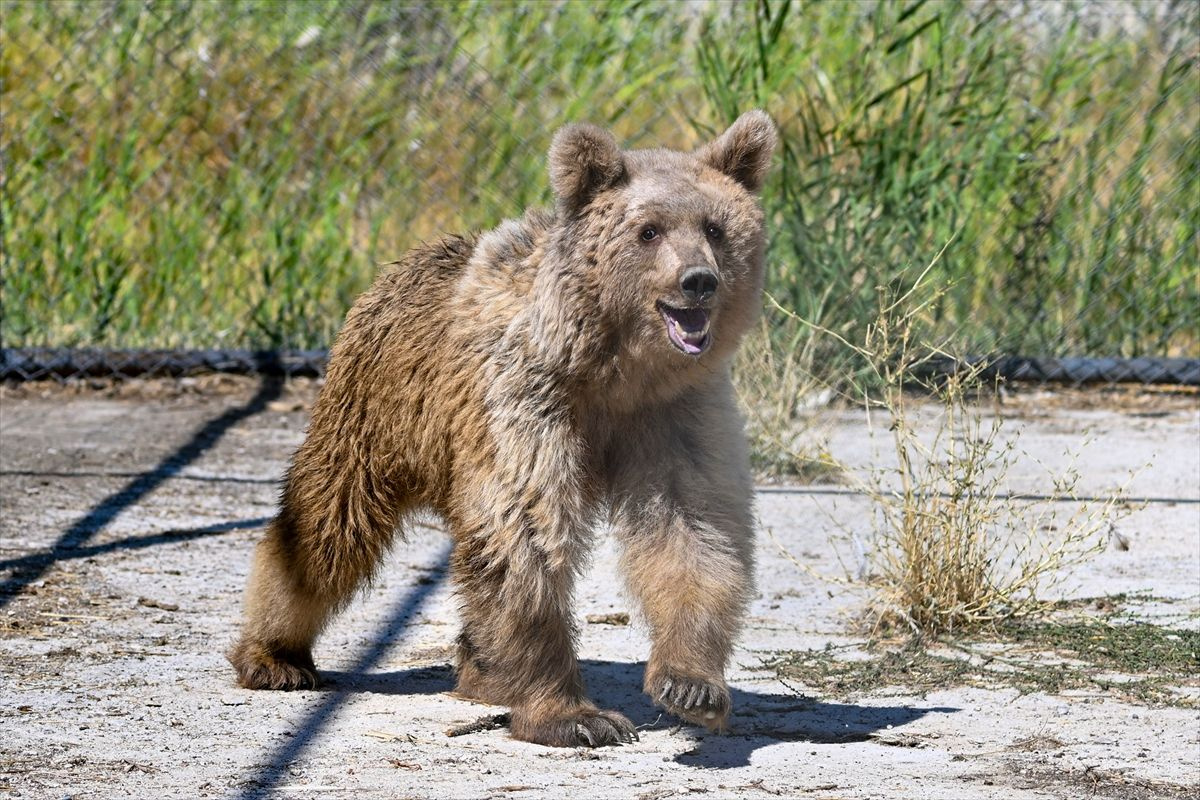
point(229, 174)
point(208, 174)
point(1056, 148)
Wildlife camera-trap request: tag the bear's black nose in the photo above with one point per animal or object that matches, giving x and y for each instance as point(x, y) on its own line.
point(699, 284)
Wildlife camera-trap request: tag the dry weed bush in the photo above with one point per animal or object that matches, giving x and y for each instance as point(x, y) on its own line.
point(951, 547)
point(777, 390)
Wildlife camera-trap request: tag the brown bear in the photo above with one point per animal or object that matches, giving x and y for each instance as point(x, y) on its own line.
point(563, 370)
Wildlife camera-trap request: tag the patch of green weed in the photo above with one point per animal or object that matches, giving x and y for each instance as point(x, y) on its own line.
point(1137, 662)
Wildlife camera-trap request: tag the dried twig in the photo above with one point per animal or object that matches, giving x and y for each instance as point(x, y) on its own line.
point(488, 723)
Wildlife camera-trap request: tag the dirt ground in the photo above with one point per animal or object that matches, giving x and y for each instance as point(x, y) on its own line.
point(128, 517)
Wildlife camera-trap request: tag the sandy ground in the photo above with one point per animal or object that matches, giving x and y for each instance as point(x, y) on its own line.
point(127, 521)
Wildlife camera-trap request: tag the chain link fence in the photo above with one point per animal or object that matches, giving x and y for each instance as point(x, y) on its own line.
point(193, 186)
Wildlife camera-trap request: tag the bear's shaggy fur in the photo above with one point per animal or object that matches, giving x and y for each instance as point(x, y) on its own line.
point(565, 369)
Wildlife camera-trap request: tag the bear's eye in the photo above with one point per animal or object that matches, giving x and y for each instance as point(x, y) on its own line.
point(649, 233)
point(714, 232)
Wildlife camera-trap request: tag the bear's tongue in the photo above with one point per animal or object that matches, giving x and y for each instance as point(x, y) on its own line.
point(687, 328)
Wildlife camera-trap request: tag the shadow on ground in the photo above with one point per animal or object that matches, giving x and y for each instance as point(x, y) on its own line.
point(29, 569)
point(760, 719)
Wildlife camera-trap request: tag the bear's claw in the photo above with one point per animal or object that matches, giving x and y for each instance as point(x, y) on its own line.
point(694, 699)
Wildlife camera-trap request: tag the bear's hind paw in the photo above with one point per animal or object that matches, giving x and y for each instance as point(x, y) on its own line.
point(584, 728)
point(260, 668)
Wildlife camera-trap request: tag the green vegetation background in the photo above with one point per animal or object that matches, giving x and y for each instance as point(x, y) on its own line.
point(202, 174)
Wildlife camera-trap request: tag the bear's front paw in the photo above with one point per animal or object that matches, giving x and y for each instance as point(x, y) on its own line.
point(581, 728)
point(258, 667)
point(703, 702)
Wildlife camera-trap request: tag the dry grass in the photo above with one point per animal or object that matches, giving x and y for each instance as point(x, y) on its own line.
point(950, 546)
point(778, 390)
point(953, 548)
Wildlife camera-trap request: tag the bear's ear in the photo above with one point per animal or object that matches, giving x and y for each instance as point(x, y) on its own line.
point(744, 151)
point(584, 160)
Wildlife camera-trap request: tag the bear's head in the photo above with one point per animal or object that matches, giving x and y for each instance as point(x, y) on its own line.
point(665, 247)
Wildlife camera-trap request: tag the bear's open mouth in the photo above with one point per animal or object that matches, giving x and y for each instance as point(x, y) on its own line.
point(687, 328)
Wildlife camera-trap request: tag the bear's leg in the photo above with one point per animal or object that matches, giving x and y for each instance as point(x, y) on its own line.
point(682, 512)
point(306, 568)
point(692, 584)
point(517, 643)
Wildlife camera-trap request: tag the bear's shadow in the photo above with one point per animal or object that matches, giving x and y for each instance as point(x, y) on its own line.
point(759, 719)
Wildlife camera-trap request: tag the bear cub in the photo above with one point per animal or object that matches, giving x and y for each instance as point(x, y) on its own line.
point(564, 370)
